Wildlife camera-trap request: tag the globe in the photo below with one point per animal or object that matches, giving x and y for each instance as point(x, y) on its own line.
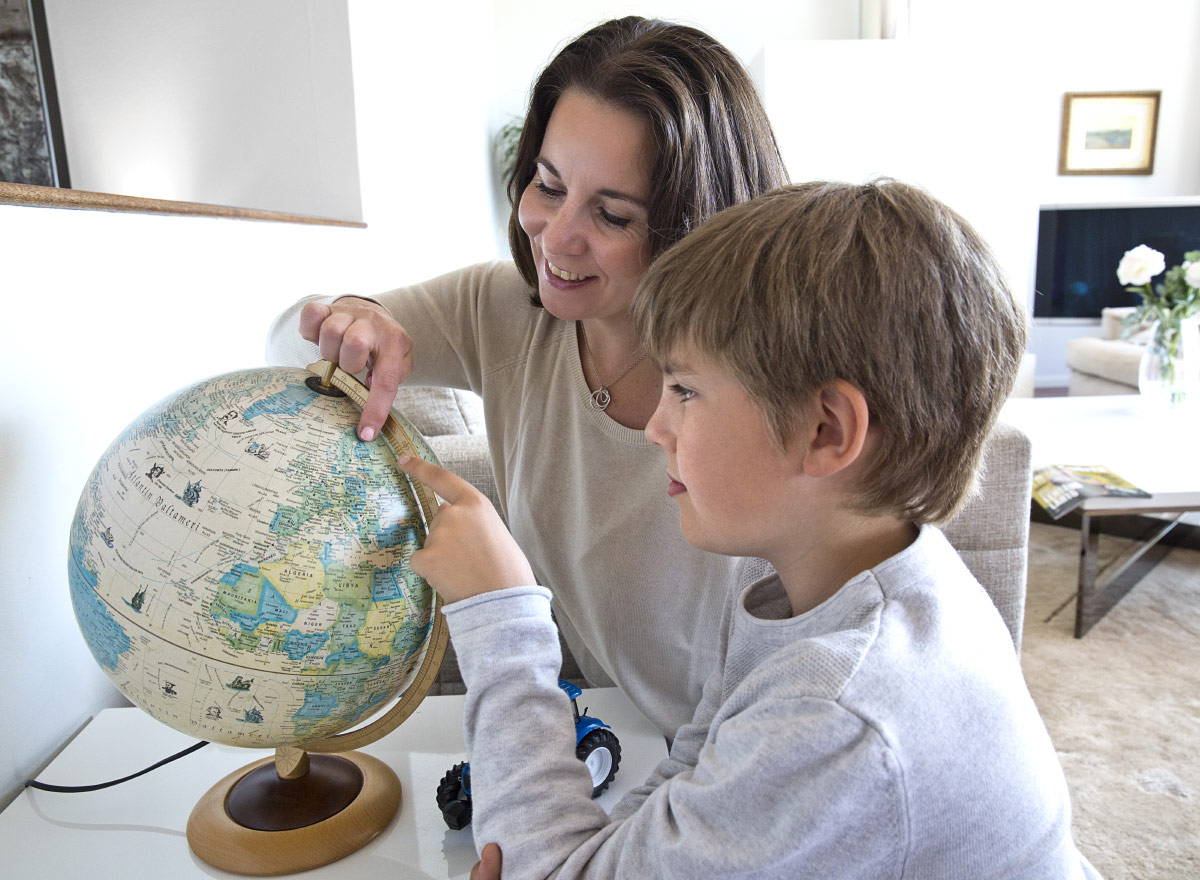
point(238, 563)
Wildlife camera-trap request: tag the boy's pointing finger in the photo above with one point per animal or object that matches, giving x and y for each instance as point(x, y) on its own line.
point(449, 485)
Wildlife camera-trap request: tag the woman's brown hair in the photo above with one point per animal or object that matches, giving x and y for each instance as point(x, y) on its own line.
point(713, 145)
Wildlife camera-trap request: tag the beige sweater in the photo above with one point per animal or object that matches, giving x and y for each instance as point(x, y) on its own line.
point(585, 497)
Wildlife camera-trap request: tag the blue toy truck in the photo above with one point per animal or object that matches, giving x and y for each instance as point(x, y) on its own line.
point(595, 744)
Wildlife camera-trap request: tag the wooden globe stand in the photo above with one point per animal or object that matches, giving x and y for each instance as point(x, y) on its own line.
point(298, 824)
point(305, 807)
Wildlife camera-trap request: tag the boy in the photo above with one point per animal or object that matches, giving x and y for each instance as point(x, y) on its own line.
point(833, 357)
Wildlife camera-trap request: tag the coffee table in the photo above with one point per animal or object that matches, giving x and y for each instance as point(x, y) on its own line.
point(1149, 443)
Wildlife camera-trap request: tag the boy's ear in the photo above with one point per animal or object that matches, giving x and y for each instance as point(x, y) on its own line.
point(837, 432)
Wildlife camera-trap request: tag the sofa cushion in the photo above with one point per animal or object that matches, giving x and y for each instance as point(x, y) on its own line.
point(437, 412)
point(1113, 359)
point(1112, 326)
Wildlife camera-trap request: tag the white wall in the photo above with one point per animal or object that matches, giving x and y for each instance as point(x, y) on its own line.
point(970, 108)
point(105, 313)
point(223, 102)
point(528, 33)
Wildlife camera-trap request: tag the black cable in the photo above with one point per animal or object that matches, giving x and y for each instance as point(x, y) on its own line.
point(75, 789)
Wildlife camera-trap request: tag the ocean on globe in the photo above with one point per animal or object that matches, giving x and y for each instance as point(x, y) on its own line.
point(239, 563)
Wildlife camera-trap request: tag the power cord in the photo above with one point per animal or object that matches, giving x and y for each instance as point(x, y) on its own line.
point(76, 789)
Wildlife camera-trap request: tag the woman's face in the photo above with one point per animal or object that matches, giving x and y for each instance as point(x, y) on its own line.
point(586, 210)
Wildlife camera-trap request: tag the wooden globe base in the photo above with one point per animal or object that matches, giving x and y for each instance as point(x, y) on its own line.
point(221, 841)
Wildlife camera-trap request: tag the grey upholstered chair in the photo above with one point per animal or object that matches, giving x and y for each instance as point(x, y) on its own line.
point(991, 533)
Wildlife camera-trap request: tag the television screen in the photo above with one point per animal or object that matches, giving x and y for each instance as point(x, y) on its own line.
point(1079, 249)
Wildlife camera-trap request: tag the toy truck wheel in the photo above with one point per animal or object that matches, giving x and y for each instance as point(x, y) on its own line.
point(454, 803)
point(601, 752)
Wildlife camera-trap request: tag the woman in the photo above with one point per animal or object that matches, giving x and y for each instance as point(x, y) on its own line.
point(636, 133)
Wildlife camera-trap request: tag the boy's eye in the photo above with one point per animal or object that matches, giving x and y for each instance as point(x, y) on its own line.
point(684, 394)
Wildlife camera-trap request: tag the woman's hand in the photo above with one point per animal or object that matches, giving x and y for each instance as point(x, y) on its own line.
point(468, 550)
point(357, 334)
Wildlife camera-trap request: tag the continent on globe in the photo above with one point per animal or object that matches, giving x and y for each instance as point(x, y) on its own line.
point(238, 563)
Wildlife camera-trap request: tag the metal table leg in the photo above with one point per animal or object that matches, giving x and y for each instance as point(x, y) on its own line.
point(1099, 591)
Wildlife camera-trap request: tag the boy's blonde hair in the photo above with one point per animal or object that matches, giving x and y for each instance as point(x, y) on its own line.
point(879, 285)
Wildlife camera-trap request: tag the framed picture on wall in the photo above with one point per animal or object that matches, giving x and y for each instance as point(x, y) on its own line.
point(1108, 133)
point(31, 144)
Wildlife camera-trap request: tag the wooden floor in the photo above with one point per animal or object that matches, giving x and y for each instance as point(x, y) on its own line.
point(1050, 392)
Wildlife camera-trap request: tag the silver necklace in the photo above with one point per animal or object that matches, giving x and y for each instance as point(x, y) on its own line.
point(602, 396)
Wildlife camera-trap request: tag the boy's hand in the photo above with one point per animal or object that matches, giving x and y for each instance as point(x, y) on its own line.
point(488, 866)
point(468, 550)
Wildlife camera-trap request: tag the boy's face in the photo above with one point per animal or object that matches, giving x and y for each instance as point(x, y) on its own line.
point(726, 472)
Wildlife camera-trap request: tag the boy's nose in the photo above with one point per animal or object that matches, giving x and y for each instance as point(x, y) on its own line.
point(657, 430)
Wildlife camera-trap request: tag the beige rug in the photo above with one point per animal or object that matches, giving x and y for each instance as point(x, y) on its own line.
point(1123, 708)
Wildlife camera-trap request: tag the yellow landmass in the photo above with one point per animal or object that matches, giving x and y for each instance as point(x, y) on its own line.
point(383, 620)
point(299, 576)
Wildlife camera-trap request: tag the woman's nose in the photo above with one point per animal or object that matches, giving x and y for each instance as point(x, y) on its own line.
point(563, 233)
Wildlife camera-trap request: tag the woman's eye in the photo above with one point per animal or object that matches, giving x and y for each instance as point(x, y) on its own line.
point(613, 220)
point(547, 191)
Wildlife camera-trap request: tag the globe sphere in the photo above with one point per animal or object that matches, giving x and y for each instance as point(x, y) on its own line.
point(238, 562)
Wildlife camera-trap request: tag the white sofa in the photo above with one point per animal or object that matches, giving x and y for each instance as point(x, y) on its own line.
point(1108, 363)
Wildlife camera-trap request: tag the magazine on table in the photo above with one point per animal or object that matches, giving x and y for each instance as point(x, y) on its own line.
point(1060, 488)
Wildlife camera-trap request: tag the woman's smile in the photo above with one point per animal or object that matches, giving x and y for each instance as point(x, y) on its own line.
point(586, 209)
point(556, 273)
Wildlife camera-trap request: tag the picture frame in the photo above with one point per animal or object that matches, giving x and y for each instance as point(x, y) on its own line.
point(1108, 132)
point(32, 149)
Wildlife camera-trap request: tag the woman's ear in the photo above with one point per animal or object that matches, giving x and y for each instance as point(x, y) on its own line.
point(837, 433)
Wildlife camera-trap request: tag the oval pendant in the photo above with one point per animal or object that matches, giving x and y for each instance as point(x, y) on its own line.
point(601, 398)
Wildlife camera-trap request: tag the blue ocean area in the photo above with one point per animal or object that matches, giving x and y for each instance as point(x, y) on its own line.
point(348, 654)
point(298, 644)
point(316, 706)
point(385, 585)
point(287, 402)
point(104, 636)
point(272, 606)
point(362, 450)
point(355, 486)
point(396, 534)
point(328, 558)
point(404, 639)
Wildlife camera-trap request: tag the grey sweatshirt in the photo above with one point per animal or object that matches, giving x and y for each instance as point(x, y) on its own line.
point(887, 733)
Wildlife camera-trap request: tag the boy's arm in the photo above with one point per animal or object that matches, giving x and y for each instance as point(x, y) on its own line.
point(685, 749)
point(784, 785)
point(720, 806)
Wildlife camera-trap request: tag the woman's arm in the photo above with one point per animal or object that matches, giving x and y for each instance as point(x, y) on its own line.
point(429, 333)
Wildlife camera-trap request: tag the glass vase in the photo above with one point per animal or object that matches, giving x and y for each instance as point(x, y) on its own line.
point(1170, 366)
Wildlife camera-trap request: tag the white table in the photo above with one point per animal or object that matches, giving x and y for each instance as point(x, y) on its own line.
point(1147, 442)
point(136, 829)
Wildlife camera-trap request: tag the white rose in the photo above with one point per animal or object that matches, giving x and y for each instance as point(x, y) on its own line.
point(1191, 274)
point(1139, 265)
